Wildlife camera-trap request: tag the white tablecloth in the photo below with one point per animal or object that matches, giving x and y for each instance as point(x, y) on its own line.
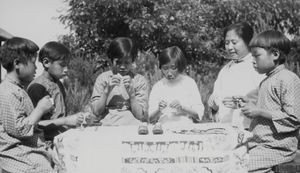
point(211, 148)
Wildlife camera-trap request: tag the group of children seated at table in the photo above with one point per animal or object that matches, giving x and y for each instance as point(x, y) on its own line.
point(33, 111)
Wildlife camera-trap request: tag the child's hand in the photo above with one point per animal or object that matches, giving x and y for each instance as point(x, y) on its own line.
point(113, 81)
point(128, 85)
point(45, 104)
point(126, 80)
point(75, 120)
point(176, 104)
point(250, 110)
point(213, 103)
point(161, 105)
point(235, 102)
point(229, 102)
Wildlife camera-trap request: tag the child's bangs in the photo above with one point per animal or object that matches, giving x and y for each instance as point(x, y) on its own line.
point(259, 41)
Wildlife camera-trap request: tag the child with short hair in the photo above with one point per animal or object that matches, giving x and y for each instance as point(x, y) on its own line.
point(275, 117)
point(175, 98)
point(22, 149)
point(55, 57)
point(120, 96)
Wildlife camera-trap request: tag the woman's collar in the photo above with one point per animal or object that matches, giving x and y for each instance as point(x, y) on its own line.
point(247, 58)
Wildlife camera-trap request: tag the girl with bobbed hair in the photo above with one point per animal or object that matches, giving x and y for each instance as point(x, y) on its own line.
point(175, 98)
point(120, 97)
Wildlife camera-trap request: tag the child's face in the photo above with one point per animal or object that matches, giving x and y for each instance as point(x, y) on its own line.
point(27, 71)
point(235, 46)
point(263, 60)
point(58, 69)
point(170, 70)
point(122, 66)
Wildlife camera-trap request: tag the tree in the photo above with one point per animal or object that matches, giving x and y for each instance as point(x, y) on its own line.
point(194, 25)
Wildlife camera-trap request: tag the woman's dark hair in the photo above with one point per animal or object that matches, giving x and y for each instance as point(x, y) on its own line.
point(54, 51)
point(17, 48)
point(242, 29)
point(272, 40)
point(122, 47)
point(172, 53)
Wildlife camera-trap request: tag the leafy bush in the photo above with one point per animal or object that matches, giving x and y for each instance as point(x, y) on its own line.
point(79, 85)
point(293, 59)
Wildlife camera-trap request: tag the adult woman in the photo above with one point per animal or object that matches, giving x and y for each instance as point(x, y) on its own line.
point(236, 78)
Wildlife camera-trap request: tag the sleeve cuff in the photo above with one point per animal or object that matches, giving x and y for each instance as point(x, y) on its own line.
point(283, 123)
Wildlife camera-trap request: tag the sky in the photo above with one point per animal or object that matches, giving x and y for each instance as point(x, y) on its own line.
point(36, 20)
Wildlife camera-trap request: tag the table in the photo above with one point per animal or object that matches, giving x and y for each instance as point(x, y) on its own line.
point(205, 148)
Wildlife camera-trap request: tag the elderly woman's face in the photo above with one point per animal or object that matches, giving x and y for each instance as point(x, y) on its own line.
point(235, 46)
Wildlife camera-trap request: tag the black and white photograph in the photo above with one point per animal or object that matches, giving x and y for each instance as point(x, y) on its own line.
point(149, 86)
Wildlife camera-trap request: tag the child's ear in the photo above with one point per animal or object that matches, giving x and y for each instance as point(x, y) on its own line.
point(46, 62)
point(16, 63)
point(275, 54)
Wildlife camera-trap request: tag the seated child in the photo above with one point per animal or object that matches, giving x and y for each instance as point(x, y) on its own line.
point(55, 57)
point(22, 149)
point(120, 96)
point(275, 117)
point(175, 98)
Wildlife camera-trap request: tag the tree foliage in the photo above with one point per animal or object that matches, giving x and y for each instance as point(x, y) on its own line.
point(194, 25)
